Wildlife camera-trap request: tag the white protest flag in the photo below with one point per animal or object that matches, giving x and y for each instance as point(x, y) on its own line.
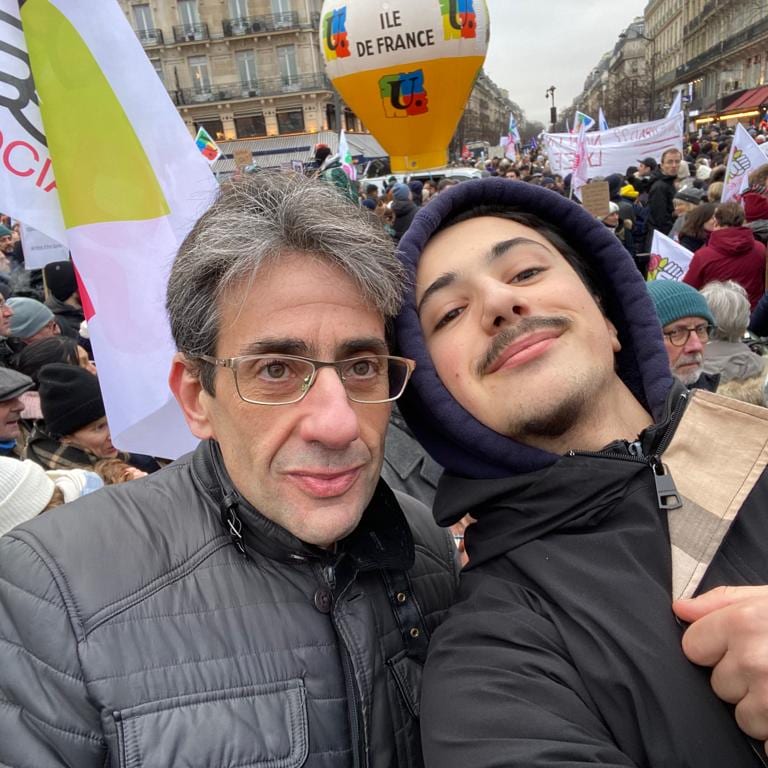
point(613, 150)
point(602, 123)
point(745, 156)
point(580, 163)
point(677, 105)
point(39, 249)
point(131, 184)
point(669, 260)
point(27, 185)
point(345, 157)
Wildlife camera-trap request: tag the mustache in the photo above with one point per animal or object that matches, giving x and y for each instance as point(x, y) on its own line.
point(509, 335)
point(694, 357)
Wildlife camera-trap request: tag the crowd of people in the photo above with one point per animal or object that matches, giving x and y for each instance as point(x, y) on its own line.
point(488, 346)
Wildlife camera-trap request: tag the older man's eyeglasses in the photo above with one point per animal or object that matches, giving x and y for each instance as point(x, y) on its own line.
point(678, 337)
point(286, 379)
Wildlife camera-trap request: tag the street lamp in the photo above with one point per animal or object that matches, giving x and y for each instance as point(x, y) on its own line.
point(652, 73)
point(553, 109)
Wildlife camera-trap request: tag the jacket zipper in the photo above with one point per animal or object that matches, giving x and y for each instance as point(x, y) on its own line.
point(353, 697)
point(667, 496)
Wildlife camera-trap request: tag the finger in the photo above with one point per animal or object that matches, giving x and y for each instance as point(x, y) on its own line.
point(692, 609)
point(727, 682)
point(752, 716)
point(706, 640)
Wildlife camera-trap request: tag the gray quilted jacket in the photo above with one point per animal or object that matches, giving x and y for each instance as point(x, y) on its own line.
point(134, 633)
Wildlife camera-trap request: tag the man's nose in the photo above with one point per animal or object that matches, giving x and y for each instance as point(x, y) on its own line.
point(694, 344)
point(502, 304)
point(329, 417)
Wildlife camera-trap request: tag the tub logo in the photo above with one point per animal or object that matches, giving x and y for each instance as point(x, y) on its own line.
point(403, 94)
point(459, 19)
point(335, 42)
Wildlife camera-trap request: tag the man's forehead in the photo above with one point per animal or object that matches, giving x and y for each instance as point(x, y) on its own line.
point(685, 322)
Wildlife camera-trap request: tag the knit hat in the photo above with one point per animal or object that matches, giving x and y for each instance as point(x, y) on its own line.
point(755, 206)
point(401, 192)
point(29, 316)
point(25, 491)
point(69, 397)
point(674, 300)
point(60, 279)
point(629, 191)
point(689, 195)
point(13, 384)
point(4, 231)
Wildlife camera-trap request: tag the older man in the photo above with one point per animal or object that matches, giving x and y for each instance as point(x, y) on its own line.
point(12, 386)
point(266, 600)
point(602, 491)
point(686, 322)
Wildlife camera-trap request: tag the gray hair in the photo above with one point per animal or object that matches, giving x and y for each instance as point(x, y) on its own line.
point(251, 224)
point(730, 307)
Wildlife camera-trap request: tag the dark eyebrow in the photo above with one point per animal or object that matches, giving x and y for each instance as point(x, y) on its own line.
point(498, 250)
point(347, 348)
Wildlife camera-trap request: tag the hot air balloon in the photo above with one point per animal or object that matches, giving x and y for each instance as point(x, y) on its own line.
point(406, 67)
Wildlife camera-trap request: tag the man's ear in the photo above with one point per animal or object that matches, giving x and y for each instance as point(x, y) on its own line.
point(185, 384)
point(614, 334)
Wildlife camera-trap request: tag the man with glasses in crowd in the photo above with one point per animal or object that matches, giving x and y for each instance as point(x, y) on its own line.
point(267, 599)
point(686, 322)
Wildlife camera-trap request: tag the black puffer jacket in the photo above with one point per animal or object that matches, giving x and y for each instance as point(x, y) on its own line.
point(150, 640)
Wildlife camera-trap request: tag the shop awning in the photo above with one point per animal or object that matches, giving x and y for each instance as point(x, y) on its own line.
point(751, 99)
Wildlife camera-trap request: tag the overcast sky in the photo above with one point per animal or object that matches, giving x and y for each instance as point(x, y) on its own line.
point(535, 44)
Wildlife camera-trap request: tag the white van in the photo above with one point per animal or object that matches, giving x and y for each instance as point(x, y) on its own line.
point(459, 174)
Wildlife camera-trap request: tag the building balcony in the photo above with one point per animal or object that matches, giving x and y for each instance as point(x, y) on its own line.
point(263, 88)
point(150, 37)
point(191, 33)
point(255, 25)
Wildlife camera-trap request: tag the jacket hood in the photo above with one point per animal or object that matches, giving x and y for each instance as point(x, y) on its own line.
point(451, 435)
point(732, 241)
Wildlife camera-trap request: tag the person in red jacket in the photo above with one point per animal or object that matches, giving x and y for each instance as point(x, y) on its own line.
point(732, 253)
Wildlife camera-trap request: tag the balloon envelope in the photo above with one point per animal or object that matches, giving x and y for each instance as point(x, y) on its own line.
point(406, 67)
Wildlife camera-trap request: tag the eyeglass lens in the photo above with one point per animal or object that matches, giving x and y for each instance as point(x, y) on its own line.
point(274, 379)
point(680, 335)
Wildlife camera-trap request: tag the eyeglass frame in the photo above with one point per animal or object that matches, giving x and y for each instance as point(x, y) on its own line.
point(709, 327)
point(233, 362)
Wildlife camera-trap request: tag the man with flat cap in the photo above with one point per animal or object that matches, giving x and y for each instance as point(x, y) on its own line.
point(12, 386)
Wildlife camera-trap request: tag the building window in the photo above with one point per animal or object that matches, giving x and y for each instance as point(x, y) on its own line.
point(286, 58)
point(238, 9)
point(189, 15)
point(281, 6)
point(246, 67)
point(250, 127)
point(142, 20)
point(158, 65)
point(290, 122)
point(214, 127)
point(201, 76)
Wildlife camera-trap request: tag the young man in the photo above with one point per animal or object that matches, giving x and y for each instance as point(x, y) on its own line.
point(661, 209)
point(601, 488)
point(266, 600)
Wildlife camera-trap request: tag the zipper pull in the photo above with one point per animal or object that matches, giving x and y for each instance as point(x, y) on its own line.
point(329, 574)
point(667, 496)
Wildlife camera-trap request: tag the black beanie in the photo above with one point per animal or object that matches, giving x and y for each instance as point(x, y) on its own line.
point(70, 398)
point(60, 279)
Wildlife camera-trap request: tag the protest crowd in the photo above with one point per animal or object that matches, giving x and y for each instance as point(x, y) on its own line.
point(479, 467)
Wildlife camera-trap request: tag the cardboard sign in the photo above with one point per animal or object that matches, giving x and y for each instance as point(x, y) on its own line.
point(242, 157)
point(595, 198)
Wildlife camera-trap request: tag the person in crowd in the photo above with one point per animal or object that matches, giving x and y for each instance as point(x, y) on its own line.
point(417, 188)
point(27, 490)
point(703, 170)
point(731, 253)
point(684, 201)
point(641, 178)
point(13, 385)
point(6, 241)
point(715, 191)
point(661, 195)
point(291, 593)
point(543, 388)
point(63, 296)
point(31, 321)
point(55, 349)
point(686, 323)
point(403, 208)
point(755, 198)
point(697, 227)
point(6, 313)
point(741, 371)
point(372, 193)
point(329, 170)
